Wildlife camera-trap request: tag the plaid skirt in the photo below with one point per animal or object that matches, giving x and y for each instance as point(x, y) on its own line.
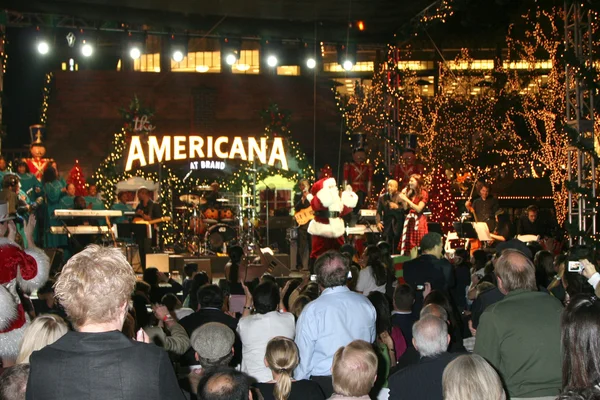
point(415, 227)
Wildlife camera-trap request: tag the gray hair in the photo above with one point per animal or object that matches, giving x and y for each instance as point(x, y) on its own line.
point(13, 382)
point(435, 310)
point(431, 336)
point(332, 269)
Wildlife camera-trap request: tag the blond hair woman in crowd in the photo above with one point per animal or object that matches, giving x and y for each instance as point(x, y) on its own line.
point(44, 330)
point(282, 358)
point(470, 377)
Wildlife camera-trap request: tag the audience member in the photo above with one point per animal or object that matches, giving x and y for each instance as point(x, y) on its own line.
point(255, 330)
point(556, 287)
point(160, 284)
point(299, 304)
point(213, 344)
point(43, 330)
point(210, 309)
point(178, 341)
point(402, 317)
point(282, 358)
point(224, 384)
point(424, 380)
point(428, 267)
point(189, 271)
point(13, 382)
point(198, 281)
point(470, 377)
point(336, 318)
point(97, 360)
point(47, 303)
point(520, 335)
point(581, 344)
point(175, 307)
point(141, 304)
point(354, 371)
point(385, 345)
point(454, 322)
point(462, 272)
point(374, 276)
point(544, 269)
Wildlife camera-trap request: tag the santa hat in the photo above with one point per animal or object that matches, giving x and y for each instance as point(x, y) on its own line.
point(322, 191)
point(29, 268)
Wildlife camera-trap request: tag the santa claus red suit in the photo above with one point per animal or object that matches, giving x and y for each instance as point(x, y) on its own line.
point(27, 269)
point(327, 228)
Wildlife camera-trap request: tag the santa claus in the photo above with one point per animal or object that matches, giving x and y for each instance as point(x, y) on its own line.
point(327, 228)
point(25, 269)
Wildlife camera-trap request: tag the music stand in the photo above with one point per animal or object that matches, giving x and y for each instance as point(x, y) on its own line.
point(465, 230)
point(132, 231)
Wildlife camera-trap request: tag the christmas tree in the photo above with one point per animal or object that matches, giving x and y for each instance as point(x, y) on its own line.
point(77, 179)
point(441, 201)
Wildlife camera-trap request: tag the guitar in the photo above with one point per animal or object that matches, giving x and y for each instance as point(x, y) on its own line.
point(304, 216)
point(140, 220)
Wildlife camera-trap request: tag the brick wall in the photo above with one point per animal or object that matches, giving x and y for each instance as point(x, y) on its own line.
point(83, 113)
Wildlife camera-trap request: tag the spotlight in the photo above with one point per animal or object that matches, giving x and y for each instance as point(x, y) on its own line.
point(272, 61)
point(347, 56)
point(177, 56)
point(311, 63)
point(348, 65)
point(135, 53)
point(231, 59)
point(43, 47)
point(86, 49)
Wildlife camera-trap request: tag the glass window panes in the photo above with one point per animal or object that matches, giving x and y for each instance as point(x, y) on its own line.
point(248, 63)
point(199, 61)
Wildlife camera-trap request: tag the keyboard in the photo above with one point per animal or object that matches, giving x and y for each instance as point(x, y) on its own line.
point(79, 230)
point(87, 213)
point(361, 230)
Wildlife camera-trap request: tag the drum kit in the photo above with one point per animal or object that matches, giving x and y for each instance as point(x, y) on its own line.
point(209, 228)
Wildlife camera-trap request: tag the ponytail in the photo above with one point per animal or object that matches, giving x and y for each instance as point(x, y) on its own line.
point(283, 386)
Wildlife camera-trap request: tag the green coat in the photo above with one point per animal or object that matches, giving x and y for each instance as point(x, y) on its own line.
point(520, 337)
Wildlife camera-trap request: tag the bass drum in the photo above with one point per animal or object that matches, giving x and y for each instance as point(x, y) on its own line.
point(218, 235)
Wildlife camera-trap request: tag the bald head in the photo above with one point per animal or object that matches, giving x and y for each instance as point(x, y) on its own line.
point(392, 186)
point(515, 271)
point(430, 336)
point(225, 383)
point(435, 310)
point(354, 369)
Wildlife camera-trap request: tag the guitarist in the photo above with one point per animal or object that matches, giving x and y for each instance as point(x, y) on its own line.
point(390, 214)
point(304, 241)
point(147, 210)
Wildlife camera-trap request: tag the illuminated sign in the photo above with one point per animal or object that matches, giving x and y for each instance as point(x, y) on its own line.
point(177, 148)
point(208, 164)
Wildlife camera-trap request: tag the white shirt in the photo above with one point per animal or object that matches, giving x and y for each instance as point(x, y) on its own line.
point(335, 319)
point(255, 332)
point(366, 282)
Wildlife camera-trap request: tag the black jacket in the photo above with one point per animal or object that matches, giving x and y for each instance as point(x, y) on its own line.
point(421, 381)
point(427, 268)
point(101, 366)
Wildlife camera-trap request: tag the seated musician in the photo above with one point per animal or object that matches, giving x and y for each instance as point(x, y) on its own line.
point(68, 200)
point(502, 233)
point(79, 242)
point(212, 196)
point(121, 205)
point(530, 224)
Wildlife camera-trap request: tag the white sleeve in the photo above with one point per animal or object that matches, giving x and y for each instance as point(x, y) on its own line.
point(594, 280)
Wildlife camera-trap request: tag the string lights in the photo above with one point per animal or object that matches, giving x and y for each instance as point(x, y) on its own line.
point(46, 98)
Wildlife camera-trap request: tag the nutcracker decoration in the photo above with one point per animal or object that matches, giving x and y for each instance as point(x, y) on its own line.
point(408, 163)
point(359, 173)
point(37, 163)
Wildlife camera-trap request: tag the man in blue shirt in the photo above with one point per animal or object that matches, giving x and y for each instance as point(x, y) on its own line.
point(335, 319)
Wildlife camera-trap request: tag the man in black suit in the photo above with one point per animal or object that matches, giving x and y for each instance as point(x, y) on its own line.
point(210, 299)
point(428, 267)
point(424, 380)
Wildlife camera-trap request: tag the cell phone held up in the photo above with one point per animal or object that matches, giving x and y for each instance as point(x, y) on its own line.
point(575, 266)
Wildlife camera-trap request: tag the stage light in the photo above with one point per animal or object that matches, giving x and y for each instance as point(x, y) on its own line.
point(311, 63)
point(348, 65)
point(87, 49)
point(43, 47)
point(272, 61)
point(347, 56)
point(231, 59)
point(177, 56)
point(135, 53)
point(360, 25)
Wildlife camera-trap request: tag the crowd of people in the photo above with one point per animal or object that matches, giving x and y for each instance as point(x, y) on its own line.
point(520, 323)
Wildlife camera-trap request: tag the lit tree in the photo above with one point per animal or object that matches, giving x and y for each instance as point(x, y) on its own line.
point(77, 179)
point(441, 201)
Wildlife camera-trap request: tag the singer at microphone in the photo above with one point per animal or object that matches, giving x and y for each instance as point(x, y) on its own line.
point(390, 214)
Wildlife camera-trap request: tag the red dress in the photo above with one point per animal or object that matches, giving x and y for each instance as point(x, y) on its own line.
point(415, 226)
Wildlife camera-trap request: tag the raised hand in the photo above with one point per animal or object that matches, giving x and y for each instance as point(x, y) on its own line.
point(12, 230)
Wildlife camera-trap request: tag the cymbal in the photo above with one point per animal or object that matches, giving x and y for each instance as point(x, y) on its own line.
point(181, 208)
point(202, 188)
point(242, 196)
point(250, 207)
point(190, 198)
point(223, 200)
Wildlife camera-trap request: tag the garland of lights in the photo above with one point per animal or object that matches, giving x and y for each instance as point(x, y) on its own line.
point(46, 98)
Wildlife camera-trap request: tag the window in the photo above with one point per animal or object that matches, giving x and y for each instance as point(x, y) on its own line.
point(199, 61)
point(248, 63)
point(293, 70)
point(362, 66)
point(147, 63)
point(415, 65)
point(544, 64)
point(474, 64)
